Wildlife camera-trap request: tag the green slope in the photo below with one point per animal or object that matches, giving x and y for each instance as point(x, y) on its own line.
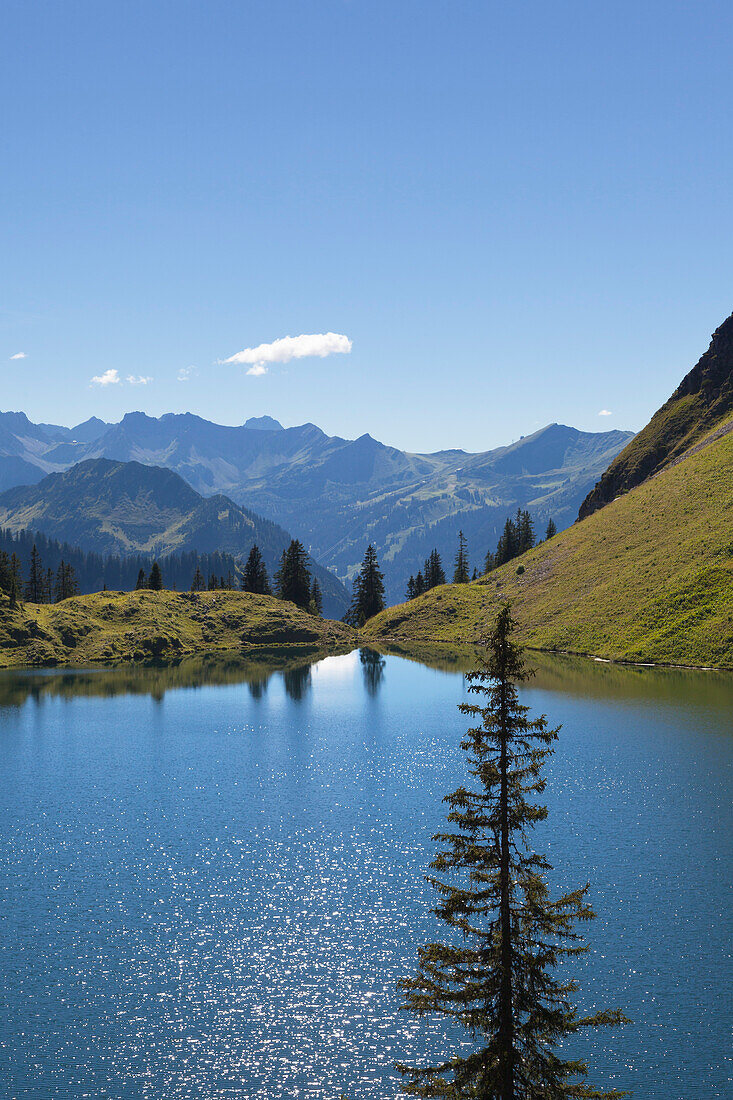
point(649, 577)
point(144, 626)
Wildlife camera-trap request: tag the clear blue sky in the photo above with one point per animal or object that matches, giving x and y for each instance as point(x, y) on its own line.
point(517, 213)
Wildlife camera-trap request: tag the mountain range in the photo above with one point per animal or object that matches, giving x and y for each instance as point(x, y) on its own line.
point(127, 508)
point(337, 494)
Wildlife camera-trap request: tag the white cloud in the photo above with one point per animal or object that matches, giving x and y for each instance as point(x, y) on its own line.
point(19, 355)
point(291, 347)
point(109, 378)
point(605, 412)
point(138, 380)
point(185, 373)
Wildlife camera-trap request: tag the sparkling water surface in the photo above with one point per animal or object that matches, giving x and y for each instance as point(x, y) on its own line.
point(210, 881)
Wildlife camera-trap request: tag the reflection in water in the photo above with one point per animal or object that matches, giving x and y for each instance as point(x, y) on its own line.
point(258, 686)
point(372, 665)
point(587, 678)
point(18, 686)
point(297, 681)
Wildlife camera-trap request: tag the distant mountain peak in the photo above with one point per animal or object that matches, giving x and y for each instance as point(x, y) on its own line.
point(263, 424)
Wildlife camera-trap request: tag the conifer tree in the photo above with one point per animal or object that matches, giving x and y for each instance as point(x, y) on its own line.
point(65, 585)
point(17, 572)
point(496, 974)
point(316, 598)
point(526, 532)
point(419, 584)
point(434, 574)
point(460, 574)
point(255, 578)
point(35, 589)
point(489, 562)
point(198, 584)
point(155, 580)
point(6, 577)
point(368, 591)
point(551, 529)
point(293, 580)
point(142, 581)
point(411, 593)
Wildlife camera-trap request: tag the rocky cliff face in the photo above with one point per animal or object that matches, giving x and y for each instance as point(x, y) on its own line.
point(702, 400)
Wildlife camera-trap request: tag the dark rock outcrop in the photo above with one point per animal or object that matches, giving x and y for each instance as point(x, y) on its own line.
point(702, 400)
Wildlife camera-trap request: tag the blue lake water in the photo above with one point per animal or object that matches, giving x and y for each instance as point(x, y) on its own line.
point(211, 881)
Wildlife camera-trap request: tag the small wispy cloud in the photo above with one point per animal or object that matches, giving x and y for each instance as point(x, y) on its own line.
point(19, 355)
point(605, 412)
point(185, 373)
point(313, 345)
point(138, 379)
point(109, 378)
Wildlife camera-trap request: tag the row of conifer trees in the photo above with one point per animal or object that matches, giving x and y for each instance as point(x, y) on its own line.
point(293, 581)
point(517, 537)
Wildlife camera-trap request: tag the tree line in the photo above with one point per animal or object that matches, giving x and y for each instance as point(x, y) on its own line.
point(517, 537)
point(38, 569)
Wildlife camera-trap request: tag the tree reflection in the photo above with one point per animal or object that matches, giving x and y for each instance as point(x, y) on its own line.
point(372, 665)
point(258, 686)
point(297, 681)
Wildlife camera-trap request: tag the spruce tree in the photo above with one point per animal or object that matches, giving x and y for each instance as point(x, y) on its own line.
point(293, 580)
point(489, 562)
point(59, 592)
point(419, 584)
point(495, 975)
point(155, 580)
point(368, 592)
point(142, 581)
point(198, 584)
point(434, 573)
point(17, 572)
point(460, 574)
point(551, 529)
point(254, 578)
point(35, 589)
point(410, 593)
point(316, 598)
point(526, 532)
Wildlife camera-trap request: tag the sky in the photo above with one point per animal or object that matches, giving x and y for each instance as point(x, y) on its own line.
point(485, 216)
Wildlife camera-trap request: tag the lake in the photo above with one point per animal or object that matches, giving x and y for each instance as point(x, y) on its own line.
point(211, 876)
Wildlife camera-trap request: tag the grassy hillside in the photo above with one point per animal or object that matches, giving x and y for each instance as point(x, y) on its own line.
point(143, 626)
point(647, 578)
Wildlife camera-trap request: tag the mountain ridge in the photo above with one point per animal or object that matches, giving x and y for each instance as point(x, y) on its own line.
point(336, 494)
point(702, 399)
point(122, 508)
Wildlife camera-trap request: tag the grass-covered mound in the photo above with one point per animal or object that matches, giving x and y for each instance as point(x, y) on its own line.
point(647, 578)
point(143, 626)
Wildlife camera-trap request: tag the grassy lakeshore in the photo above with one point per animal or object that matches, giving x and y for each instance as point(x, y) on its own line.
point(114, 627)
point(647, 578)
